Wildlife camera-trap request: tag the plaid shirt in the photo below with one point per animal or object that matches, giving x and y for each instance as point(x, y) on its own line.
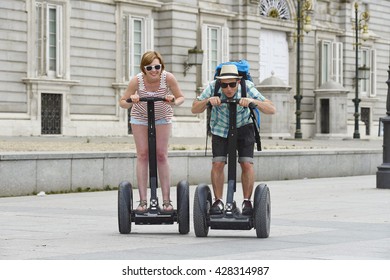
point(219, 121)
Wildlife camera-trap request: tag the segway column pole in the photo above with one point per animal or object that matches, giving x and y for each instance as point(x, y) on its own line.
point(232, 145)
point(152, 149)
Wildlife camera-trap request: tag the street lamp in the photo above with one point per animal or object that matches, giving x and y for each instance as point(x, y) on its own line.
point(364, 16)
point(302, 18)
point(195, 57)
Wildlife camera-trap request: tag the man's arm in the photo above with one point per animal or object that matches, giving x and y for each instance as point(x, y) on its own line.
point(266, 106)
point(199, 106)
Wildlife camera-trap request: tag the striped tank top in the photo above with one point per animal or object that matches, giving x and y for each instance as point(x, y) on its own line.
point(162, 110)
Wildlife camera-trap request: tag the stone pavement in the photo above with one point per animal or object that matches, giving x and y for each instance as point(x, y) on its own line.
point(63, 143)
point(344, 218)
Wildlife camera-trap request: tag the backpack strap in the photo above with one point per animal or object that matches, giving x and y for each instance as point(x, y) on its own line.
point(252, 115)
point(217, 86)
point(256, 128)
point(243, 87)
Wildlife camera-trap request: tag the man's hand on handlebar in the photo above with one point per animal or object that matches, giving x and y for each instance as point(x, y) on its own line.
point(214, 101)
point(245, 101)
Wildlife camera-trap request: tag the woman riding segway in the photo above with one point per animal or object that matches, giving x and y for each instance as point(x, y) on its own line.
point(152, 92)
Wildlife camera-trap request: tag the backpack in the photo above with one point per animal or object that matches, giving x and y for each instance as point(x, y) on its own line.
point(243, 70)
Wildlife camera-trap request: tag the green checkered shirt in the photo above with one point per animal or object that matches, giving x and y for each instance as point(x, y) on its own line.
point(219, 121)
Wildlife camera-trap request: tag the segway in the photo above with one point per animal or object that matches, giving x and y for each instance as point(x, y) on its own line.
point(154, 215)
point(231, 218)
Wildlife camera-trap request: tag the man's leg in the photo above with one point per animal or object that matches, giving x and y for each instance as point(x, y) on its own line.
point(217, 178)
point(247, 179)
point(219, 146)
point(246, 141)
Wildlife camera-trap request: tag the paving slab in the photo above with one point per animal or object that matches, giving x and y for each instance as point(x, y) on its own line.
point(126, 143)
point(343, 218)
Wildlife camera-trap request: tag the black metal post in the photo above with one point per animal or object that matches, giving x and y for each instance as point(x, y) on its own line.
point(298, 96)
point(383, 173)
point(153, 181)
point(356, 100)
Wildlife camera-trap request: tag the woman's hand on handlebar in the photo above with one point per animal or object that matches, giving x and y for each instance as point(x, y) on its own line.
point(134, 98)
point(169, 98)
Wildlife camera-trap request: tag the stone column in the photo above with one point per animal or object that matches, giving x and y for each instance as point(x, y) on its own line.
point(278, 125)
point(331, 111)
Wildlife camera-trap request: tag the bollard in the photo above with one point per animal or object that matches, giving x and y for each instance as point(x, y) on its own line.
point(383, 173)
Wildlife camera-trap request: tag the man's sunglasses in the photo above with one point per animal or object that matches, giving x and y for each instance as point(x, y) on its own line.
point(232, 85)
point(153, 67)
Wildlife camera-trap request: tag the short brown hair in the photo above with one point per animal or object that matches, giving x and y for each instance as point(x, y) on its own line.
point(148, 58)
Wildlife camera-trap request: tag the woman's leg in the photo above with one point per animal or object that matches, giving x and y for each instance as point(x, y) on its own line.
point(163, 132)
point(140, 133)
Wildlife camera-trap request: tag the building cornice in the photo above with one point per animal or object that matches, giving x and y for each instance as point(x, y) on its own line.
point(149, 3)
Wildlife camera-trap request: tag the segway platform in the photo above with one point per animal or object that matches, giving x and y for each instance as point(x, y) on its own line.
point(154, 216)
point(228, 221)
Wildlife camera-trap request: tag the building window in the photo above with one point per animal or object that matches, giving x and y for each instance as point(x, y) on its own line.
point(216, 46)
point(275, 9)
point(49, 40)
point(331, 62)
point(137, 38)
point(213, 49)
point(365, 114)
point(367, 58)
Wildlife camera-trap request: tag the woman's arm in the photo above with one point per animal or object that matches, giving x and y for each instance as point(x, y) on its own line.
point(129, 92)
point(175, 89)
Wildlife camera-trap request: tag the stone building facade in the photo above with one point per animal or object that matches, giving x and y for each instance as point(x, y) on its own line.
point(65, 63)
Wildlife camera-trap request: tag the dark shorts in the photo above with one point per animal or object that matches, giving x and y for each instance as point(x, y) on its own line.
point(245, 145)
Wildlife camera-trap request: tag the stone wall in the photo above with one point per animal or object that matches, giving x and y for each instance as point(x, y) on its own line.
point(28, 173)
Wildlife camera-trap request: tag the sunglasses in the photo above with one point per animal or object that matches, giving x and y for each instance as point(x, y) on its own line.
point(153, 67)
point(232, 85)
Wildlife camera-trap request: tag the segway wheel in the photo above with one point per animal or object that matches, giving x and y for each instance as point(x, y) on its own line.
point(202, 203)
point(262, 211)
point(125, 206)
point(183, 206)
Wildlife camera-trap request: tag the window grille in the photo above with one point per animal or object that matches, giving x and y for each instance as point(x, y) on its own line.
point(51, 112)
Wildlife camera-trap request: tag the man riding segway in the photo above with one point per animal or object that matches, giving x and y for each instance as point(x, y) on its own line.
point(230, 88)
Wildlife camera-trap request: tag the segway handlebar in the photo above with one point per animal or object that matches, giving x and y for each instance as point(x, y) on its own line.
point(252, 105)
point(146, 99)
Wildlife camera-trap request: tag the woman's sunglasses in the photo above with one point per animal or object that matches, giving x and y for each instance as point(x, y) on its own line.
point(232, 85)
point(153, 67)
